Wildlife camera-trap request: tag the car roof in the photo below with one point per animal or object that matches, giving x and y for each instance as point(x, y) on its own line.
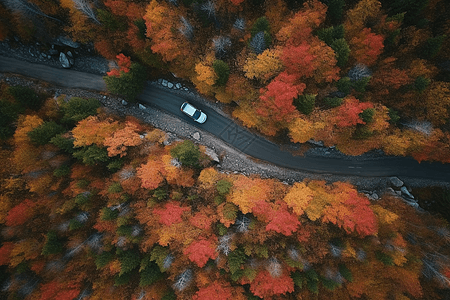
point(189, 109)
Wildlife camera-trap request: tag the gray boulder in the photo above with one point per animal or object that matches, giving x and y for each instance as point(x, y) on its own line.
point(405, 192)
point(212, 154)
point(142, 107)
point(196, 136)
point(396, 182)
point(68, 42)
point(64, 61)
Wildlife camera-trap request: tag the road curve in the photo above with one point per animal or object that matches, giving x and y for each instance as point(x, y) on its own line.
point(238, 137)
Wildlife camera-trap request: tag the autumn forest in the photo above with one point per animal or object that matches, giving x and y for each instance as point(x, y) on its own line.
point(99, 206)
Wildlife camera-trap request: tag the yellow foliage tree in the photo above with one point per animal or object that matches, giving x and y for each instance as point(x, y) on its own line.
point(247, 192)
point(384, 216)
point(208, 178)
point(299, 197)
point(301, 130)
point(26, 156)
point(206, 77)
point(358, 16)
point(437, 103)
point(264, 66)
point(5, 205)
point(93, 131)
point(396, 144)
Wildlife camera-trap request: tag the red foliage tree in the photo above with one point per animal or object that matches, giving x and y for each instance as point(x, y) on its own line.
point(5, 251)
point(200, 251)
point(277, 100)
point(348, 113)
point(171, 213)
point(264, 285)
point(214, 291)
point(283, 222)
point(366, 46)
point(59, 291)
point(351, 212)
point(19, 214)
point(124, 63)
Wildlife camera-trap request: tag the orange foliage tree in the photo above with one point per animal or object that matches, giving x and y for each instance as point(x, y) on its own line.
point(366, 47)
point(121, 139)
point(93, 131)
point(265, 286)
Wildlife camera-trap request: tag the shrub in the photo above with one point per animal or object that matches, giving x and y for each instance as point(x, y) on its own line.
point(223, 187)
point(187, 153)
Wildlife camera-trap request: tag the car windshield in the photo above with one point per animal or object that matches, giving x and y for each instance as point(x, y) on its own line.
point(196, 114)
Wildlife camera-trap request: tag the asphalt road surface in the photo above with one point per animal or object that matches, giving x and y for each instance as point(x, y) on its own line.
point(238, 137)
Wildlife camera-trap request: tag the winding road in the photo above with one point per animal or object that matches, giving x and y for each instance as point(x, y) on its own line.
point(238, 137)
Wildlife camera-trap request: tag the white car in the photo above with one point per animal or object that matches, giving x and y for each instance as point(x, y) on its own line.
point(193, 112)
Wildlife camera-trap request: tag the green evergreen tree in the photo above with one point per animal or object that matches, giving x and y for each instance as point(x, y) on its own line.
point(42, 134)
point(52, 244)
point(91, 155)
point(26, 97)
point(8, 115)
point(78, 109)
point(261, 24)
point(421, 83)
point(305, 103)
point(129, 260)
point(128, 85)
point(103, 259)
point(432, 46)
point(222, 70)
point(108, 214)
point(330, 34)
point(150, 274)
point(342, 51)
point(65, 144)
point(333, 101)
point(367, 115)
point(335, 10)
